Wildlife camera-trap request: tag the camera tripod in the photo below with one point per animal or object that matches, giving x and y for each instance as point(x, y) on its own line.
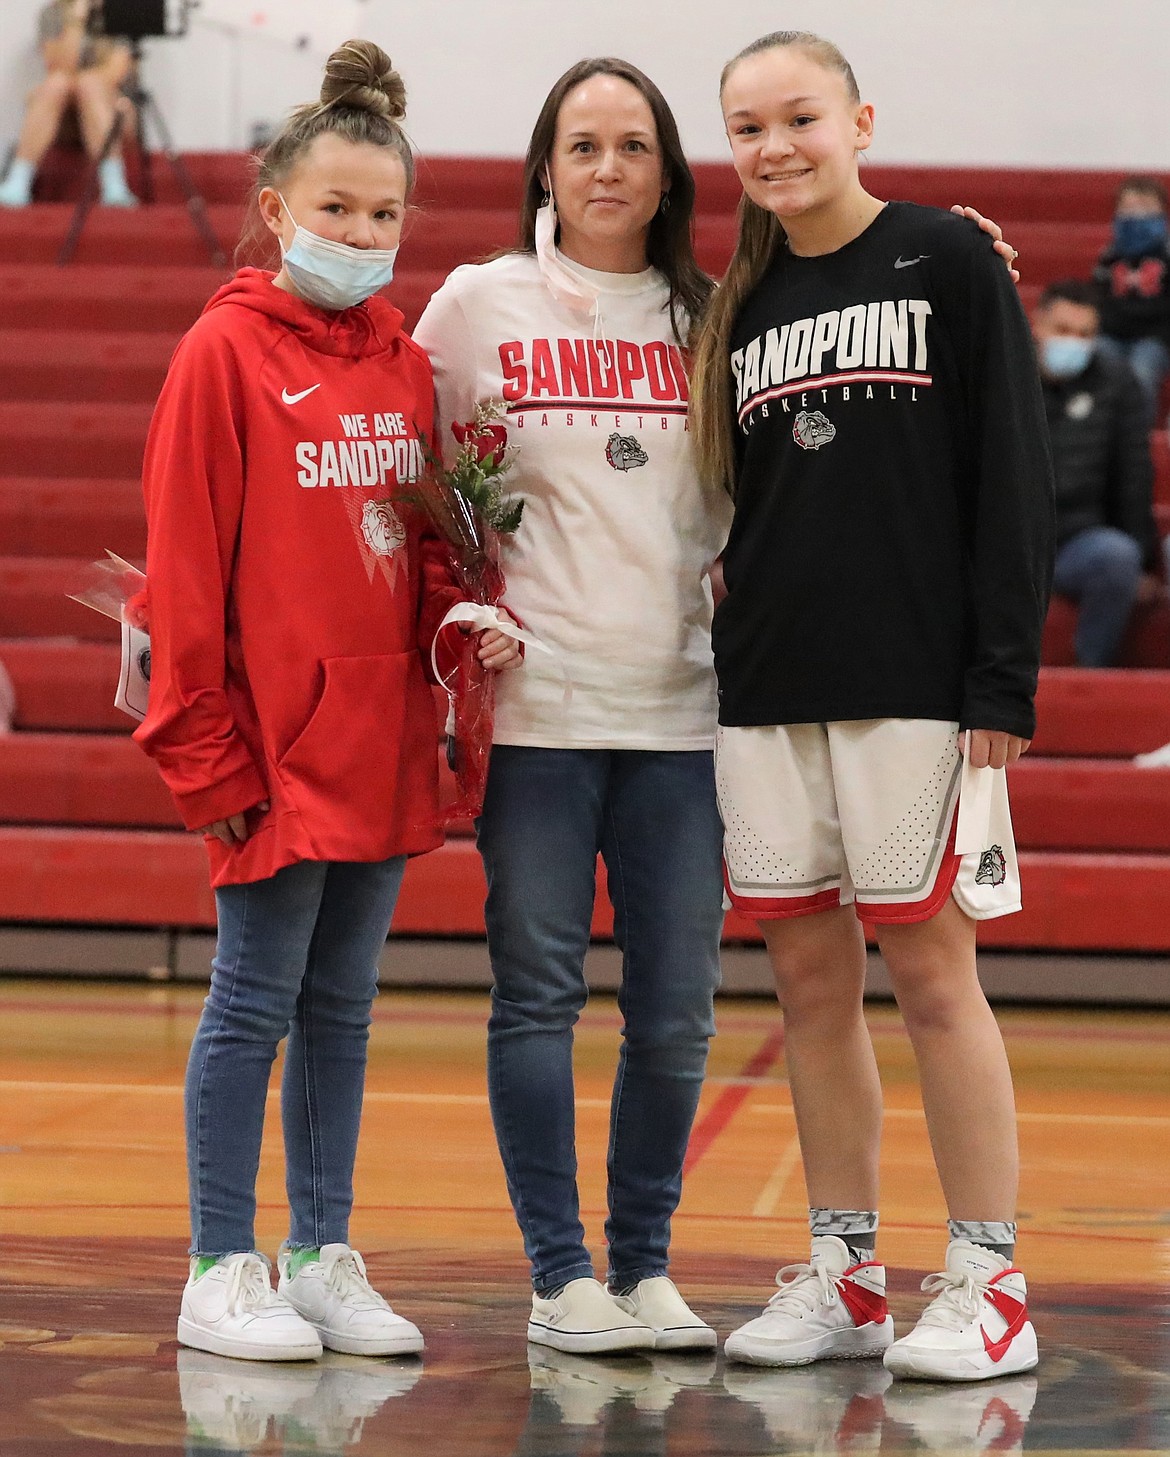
point(146, 110)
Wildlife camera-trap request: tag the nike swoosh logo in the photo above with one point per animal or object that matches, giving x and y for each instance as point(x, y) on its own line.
point(901, 262)
point(1012, 1311)
point(295, 399)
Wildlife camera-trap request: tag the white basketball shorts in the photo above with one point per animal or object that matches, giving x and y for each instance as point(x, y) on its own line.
point(823, 814)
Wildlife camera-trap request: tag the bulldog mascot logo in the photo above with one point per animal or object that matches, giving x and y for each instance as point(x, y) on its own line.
point(992, 867)
point(811, 429)
point(381, 528)
point(624, 453)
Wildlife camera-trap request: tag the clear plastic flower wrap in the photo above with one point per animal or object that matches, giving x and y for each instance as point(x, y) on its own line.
point(466, 506)
point(117, 589)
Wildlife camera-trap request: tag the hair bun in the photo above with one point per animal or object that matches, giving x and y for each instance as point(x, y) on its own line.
point(360, 74)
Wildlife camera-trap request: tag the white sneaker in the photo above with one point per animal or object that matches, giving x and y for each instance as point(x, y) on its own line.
point(15, 191)
point(229, 1405)
point(990, 1417)
point(232, 1310)
point(657, 1303)
point(976, 1326)
point(829, 1309)
point(585, 1318)
point(118, 197)
point(334, 1295)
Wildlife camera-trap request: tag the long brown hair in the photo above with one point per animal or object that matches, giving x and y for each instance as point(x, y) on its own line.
point(760, 235)
point(669, 245)
point(363, 99)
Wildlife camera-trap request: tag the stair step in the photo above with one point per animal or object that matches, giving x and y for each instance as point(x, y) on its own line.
point(62, 684)
point(219, 177)
point(156, 299)
point(105, 779)
point(1146, 643)
point(33, 601)
point(107, 366)
point(1005, 193)
point(56, 438)
point(1103, 712)
point(81, 779)
point(159, 878)
point(100, 779)
point(1090, 804)
point(141, 236)
point(47, 516)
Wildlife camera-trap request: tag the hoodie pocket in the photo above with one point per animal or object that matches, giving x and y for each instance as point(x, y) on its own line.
point(345, 760)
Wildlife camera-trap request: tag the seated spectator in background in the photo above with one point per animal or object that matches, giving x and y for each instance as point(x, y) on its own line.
point(1105, 530)
point(83, 71)
point(1133, 275)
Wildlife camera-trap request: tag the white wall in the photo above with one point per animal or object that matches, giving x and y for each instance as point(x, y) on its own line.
point(1077, 83)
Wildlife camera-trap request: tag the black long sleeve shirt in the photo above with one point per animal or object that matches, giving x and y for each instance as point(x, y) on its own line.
point(891, 552)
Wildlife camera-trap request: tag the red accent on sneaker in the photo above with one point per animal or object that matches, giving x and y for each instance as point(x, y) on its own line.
point(1014, 1311)
point(861, 1303)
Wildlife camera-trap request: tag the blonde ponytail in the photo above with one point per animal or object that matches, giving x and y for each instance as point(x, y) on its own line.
point(712, 409)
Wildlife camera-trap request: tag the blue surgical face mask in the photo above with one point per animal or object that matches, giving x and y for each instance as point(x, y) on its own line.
point(334, 275)
point(1135, 236)
point(1066, 356)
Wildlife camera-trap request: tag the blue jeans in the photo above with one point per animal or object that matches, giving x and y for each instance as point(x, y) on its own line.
point(297, 954)
point(1150, 361)
point(1099, 568)
point(653, 818)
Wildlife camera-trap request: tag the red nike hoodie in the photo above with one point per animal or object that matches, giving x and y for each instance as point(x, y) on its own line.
point(289, 606)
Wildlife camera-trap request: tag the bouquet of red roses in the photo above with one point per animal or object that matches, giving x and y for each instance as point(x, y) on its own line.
point(466, 505)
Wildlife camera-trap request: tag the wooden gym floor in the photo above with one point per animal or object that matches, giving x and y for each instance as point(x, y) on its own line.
point(93, 1237)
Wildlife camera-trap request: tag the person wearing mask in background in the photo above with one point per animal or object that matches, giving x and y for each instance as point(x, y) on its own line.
point(84, 71)
point(1133, 277)
point(1107, 547)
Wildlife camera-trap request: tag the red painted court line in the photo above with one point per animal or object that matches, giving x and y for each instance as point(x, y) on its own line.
point(731, 1099)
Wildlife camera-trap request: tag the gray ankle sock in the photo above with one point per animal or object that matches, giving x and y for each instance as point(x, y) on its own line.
point(990, 1234)
point(856, 1228)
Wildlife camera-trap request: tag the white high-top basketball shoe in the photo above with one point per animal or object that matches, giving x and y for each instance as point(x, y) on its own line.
point(977, 1325)
point(829, 1309)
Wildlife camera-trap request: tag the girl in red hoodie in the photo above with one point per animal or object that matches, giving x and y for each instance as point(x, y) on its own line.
point(290, 608)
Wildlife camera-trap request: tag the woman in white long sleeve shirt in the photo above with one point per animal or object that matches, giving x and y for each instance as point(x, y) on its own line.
point(580, 331)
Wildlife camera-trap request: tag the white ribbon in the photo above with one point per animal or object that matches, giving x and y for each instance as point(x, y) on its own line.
point(479, 616)
point(976, 788)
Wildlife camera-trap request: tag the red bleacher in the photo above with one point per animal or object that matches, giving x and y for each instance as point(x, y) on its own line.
point(87, 834)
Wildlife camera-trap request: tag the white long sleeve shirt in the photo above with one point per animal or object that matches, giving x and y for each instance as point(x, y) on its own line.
point(610, 564)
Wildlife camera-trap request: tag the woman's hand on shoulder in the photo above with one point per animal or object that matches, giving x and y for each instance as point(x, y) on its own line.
point(995, 232)
point(989, 748)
